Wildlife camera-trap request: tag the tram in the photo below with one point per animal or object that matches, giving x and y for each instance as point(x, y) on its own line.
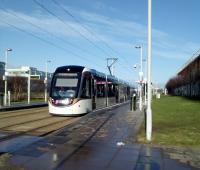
point(77, 90)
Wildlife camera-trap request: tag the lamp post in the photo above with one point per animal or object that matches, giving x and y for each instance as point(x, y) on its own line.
point(29, 85)
point(5, 75)
point(140, 77)
point(145, 82)
point(46, 80)
point(149, 92)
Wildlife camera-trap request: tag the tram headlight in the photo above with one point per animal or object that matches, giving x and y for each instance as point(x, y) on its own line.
point(53, 101)
point(61, 102)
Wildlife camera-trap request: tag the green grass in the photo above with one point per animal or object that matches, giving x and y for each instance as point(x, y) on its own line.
point(176, 122)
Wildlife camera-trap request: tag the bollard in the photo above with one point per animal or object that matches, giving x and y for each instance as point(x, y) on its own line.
point(134, 102)
point(8, 98)
point(131, 104)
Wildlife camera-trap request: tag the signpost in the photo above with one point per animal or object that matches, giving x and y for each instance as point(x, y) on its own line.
point(21, 72)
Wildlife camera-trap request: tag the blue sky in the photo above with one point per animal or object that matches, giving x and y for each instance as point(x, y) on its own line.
point(115, 27)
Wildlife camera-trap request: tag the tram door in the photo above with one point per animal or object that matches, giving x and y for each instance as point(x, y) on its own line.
point(94, 93)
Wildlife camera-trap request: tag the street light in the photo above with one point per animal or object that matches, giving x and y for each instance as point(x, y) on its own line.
point(149, 94)
point(46, 80)
point(5, 75)
point(145, 82)
point(140, 77)
point(140, 47)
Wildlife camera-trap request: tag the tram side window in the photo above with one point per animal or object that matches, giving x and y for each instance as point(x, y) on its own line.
point(86, 88)
point(100, 90)
point(111, 90)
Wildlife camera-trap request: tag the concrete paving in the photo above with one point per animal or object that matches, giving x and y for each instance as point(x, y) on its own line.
point(102, 141)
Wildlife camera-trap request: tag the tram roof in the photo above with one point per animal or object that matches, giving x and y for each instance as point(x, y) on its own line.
point(73, 68)
point(93, 71)
point(97, 73)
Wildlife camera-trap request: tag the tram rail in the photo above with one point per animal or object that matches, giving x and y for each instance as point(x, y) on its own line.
point(36, 122)
point(45, 125)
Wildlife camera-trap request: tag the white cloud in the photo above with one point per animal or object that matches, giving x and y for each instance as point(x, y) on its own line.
point(49, 24)
point(119, 34)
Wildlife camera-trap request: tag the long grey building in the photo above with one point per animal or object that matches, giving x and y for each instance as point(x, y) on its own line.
point(35, 73)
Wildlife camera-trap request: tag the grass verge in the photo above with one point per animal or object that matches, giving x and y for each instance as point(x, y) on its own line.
point(176, 122)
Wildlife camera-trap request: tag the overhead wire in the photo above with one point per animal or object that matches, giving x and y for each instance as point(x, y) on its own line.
point(47, 32)
point(71, 27)
point(46, 41)
point(79, 22)
point(86, 28)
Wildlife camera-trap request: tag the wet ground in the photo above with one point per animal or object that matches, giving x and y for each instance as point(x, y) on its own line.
point(99, 141)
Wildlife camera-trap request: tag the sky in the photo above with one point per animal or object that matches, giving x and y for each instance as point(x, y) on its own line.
point(86, 32)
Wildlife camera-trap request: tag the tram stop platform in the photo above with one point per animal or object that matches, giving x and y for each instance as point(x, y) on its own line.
point(105, 141)
point(17, 106)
